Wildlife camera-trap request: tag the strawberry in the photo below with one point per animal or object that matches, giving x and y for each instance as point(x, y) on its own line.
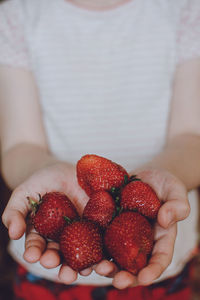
point(100, 208)
point(139, 196)
point(48, 215)
point(96, 173)
point(129, 240)
point(81, 244)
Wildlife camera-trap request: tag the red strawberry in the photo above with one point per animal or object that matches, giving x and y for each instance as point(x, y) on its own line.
point(139, 196)
point(100, 208)
point(81, 244)
point(48, 220)
point(96, 173)
point(128, 240)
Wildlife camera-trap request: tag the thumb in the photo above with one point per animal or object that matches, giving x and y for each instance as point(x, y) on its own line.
point(15, 222)
point(173, 210)
point(15, 214)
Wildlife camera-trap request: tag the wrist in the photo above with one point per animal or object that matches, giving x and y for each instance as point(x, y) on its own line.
point(167, 164)
point(22, 160)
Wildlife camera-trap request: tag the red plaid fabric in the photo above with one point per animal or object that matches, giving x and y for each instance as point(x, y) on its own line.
point(30, 287)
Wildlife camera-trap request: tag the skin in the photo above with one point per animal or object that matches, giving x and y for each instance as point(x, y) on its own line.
point(29, 168)
point(98, 5)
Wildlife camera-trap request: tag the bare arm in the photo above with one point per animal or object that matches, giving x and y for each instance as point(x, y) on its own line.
point(24, 146)
point(181, 155)
point(172, 172)
point(23, 136)
point(29, 168)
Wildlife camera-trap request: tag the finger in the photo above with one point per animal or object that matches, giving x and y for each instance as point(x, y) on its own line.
point(35, 245)
point(177, 208)
point(67, 275)
point(123, 280)
point(51, 256)
point(15, 222)
point(106, 268)
point(15, 213)
point(153, 270)
point(86, 272)
point(161, 256)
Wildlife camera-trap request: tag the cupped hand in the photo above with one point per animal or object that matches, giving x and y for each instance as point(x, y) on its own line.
point(56, 177)
point(175, 207)
point(62, 177)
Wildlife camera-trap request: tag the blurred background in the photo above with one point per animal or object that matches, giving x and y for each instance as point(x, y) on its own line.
point(7, 265)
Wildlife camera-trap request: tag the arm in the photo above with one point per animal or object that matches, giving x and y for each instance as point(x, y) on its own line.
point(181, 155)
point(171, 173)
point(29, 168)
point(24, 146)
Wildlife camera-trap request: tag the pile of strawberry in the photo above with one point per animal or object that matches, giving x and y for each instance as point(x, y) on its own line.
point(117, 222)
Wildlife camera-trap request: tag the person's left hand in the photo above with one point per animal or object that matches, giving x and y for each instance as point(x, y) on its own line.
point(172, 192)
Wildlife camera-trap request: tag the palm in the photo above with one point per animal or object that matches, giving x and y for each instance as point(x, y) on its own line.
point(58, 177)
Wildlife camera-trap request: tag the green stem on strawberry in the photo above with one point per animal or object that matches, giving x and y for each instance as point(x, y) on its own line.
point(34, 205)
point(117, 211)
point(117, 199)
point(68, 220)
point(116, 195)
point(40, 198)
point(134, 178)
point(126, 179)
point(114, 191)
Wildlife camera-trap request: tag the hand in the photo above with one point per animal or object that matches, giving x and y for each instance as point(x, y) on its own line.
point(57, 177)
point(173, 194)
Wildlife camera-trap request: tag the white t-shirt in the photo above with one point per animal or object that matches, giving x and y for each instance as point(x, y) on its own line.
point(105, 83)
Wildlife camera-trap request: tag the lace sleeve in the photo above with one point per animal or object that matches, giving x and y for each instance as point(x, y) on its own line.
point(189, 32)
point(13, 49)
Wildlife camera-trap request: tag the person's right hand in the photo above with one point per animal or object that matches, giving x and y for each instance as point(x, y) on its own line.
point(57, 177)
point(173, 194)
